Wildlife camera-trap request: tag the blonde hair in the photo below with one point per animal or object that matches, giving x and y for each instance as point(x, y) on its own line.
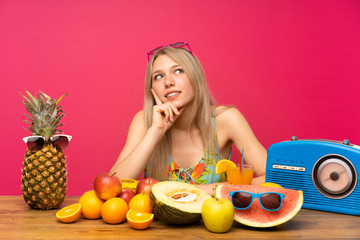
point(200, 116)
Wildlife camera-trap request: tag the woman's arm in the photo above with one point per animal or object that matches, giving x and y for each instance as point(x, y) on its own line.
point(233, 127)
point(141, 142)
point(139, 147)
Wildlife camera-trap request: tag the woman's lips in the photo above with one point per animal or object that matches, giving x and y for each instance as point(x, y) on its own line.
point(172, 95)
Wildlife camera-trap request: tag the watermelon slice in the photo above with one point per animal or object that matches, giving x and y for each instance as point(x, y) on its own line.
point(255, 215)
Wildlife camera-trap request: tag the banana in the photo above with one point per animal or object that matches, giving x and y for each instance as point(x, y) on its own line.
point(129, 183)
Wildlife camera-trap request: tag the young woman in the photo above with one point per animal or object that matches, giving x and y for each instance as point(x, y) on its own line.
point(181, 134)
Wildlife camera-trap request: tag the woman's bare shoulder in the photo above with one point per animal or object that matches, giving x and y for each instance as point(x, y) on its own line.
point(138, 119)
point(226, 111)
point(140, 114)
point(228, 117)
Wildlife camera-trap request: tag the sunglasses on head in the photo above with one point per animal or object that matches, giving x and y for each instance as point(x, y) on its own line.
point(173, 45)
point(270, 201)
point(38, 142)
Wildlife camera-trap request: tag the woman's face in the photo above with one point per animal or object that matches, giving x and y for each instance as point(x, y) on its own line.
point(171, 83)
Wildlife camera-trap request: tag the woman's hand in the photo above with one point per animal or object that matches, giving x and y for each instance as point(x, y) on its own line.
point(164, 114)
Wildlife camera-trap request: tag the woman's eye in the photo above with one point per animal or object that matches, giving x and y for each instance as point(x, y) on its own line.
point(158, 76)
point(179, 70)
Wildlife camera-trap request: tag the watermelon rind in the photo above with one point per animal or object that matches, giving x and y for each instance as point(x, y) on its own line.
point(251, 221)
point(173, 212)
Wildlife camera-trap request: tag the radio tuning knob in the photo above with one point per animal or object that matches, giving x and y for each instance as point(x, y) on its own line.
point(293, 138)
point(346, 142)
point(334, 176)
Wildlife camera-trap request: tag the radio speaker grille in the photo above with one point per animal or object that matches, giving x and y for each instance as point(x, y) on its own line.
point(296, 181)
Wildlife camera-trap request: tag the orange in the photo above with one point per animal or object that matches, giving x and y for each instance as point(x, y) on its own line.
point(139, 220)
point(91, 205)
point(141, 202)
point(114, 210)
point(223, 164)
point(69, 213)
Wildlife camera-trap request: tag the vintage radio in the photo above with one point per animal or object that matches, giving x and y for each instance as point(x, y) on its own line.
point(325, 170)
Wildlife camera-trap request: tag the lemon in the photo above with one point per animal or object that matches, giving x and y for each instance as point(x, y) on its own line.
point(270, 184)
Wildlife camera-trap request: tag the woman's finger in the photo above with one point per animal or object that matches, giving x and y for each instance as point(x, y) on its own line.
point(171, 112)
point(174, 109)
point(164, 111)
point(167, 113)
point(157, 99)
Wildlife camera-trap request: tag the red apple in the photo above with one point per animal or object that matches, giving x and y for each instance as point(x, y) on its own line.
point(107, 186)
point(127, 194)
point(144, 185)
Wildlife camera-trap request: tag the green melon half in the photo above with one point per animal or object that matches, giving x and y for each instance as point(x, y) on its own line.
point(177, 202)
point(255, 215)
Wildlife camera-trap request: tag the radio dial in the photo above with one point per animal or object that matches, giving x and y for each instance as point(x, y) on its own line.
point(334, 176)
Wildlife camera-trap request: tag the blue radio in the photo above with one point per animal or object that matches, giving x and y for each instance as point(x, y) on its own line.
point(325, 170)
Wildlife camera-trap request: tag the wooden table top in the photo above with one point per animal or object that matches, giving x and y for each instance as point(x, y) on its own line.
point(18, 221)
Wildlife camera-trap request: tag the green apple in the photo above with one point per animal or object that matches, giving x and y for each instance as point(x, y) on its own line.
point(218, 214)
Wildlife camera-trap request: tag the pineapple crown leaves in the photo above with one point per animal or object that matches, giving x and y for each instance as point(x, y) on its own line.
point(45, 114)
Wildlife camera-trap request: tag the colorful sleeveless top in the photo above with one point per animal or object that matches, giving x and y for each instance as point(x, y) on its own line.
point(203, 172)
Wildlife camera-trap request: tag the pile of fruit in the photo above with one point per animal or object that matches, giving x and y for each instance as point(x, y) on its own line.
point(114, 200)
point(179, 203)
point(176, 203)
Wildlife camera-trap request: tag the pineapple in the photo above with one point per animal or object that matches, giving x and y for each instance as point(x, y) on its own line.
point(44, 170)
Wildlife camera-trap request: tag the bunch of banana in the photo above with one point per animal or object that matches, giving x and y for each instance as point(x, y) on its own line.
point(129, 183)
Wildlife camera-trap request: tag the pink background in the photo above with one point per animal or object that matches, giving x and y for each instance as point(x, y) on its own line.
point(291, 67)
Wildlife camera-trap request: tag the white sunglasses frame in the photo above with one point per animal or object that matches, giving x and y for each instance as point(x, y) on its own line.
point(25, 139)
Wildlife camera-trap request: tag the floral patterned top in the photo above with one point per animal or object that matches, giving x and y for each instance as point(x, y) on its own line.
point(201, 173)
